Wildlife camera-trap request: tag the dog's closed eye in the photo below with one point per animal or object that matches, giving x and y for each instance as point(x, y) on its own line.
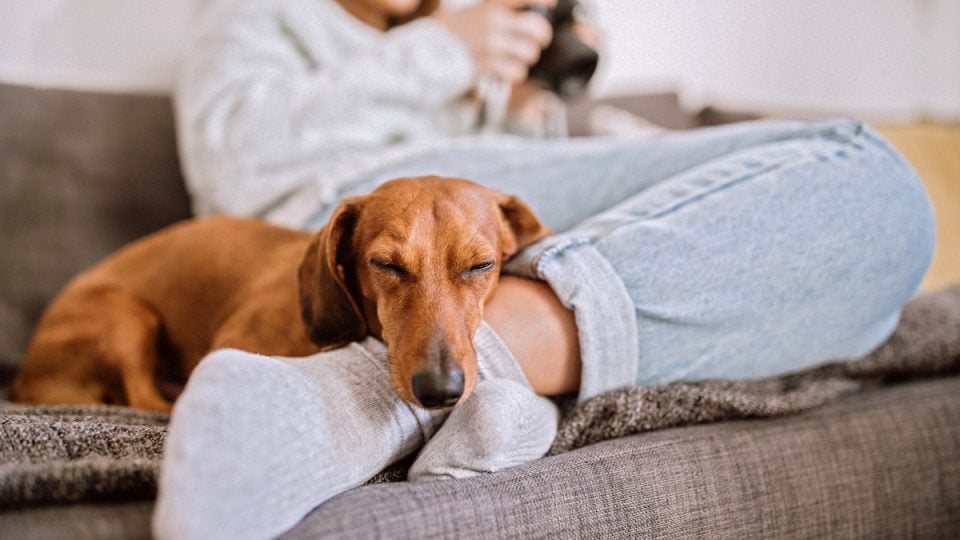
point(479, 268)
point(390, 268)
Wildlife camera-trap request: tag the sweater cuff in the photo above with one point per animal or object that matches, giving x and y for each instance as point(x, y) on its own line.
point(442, 60)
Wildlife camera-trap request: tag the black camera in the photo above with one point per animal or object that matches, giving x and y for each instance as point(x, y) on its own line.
point(567, 64)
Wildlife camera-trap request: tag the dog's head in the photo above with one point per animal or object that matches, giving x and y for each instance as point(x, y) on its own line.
point(413, 263)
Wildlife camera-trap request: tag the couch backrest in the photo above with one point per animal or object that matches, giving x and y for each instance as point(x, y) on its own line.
point(81, 174)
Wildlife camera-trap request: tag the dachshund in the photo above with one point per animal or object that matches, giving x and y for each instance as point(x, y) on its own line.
point(411, 263)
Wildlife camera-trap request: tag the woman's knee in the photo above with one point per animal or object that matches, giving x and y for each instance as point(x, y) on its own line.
point(900, 207)
point(882, 235)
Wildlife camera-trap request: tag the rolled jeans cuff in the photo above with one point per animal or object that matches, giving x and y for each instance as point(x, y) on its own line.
point(587, 284)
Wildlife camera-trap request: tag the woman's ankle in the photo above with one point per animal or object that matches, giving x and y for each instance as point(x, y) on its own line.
point(539, 331)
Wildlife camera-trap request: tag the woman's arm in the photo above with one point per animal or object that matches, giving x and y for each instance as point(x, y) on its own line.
point(268, 89)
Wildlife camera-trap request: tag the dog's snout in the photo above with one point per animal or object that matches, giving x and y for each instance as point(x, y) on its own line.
point(438, 388)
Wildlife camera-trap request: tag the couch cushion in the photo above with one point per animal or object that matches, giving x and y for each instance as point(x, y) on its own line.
point(880, 463)
point(81, 173)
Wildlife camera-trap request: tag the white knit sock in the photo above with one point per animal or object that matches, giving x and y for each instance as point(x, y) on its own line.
point(502, 425)
point(255, 442)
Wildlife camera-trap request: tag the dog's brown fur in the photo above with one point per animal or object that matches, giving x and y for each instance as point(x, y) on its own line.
point(406, 263)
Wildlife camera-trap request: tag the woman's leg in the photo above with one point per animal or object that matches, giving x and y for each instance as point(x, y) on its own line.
point(766, 260)
point(567, 181)
point(539, 331)
point(256, 442)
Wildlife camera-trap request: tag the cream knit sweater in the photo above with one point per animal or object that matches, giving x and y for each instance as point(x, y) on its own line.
point(281, 102)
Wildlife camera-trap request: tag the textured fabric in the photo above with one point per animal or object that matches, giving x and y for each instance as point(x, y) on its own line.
point(80, 175)
point(64, 454)
point(281, 101)
point(503, 425)
point(878, 464)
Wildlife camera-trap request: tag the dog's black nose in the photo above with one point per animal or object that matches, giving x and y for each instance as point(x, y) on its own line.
point(438, 388)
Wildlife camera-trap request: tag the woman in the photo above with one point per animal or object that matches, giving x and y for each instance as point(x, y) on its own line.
point(734, 252)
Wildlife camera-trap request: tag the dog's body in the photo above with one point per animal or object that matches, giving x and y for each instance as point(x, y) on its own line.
point(163, 302)
point(412, 263)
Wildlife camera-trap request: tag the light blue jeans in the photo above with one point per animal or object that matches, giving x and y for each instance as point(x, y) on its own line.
point(734, 252)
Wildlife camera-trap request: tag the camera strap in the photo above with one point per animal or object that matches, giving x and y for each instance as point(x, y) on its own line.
point(494, 96)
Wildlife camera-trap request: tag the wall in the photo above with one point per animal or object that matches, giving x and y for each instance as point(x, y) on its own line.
point(116, 45)
point(889, 59)
point(878, 59)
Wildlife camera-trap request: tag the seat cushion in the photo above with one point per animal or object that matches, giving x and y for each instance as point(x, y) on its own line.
point(879, 463)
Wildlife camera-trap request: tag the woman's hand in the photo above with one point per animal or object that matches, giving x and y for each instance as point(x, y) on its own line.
point(503, 39)
point(528, 102)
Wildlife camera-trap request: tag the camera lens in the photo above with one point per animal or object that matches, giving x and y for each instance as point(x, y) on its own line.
point(567, 64)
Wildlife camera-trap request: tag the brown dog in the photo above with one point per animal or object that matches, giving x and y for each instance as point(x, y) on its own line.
point(412, 263)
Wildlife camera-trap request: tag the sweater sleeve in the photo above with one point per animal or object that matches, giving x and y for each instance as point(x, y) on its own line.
point(263, 97)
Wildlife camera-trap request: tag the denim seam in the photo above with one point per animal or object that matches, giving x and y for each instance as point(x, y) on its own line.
point(717, 188)
point(859, 133)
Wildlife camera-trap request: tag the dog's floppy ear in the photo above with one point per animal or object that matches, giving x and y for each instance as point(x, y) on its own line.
point(521, 226)
point(329, 294)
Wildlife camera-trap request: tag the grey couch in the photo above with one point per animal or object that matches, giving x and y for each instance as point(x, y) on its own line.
point(83, 173)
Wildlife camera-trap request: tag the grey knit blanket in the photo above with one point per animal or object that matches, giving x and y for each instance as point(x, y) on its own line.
point(57, 454)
